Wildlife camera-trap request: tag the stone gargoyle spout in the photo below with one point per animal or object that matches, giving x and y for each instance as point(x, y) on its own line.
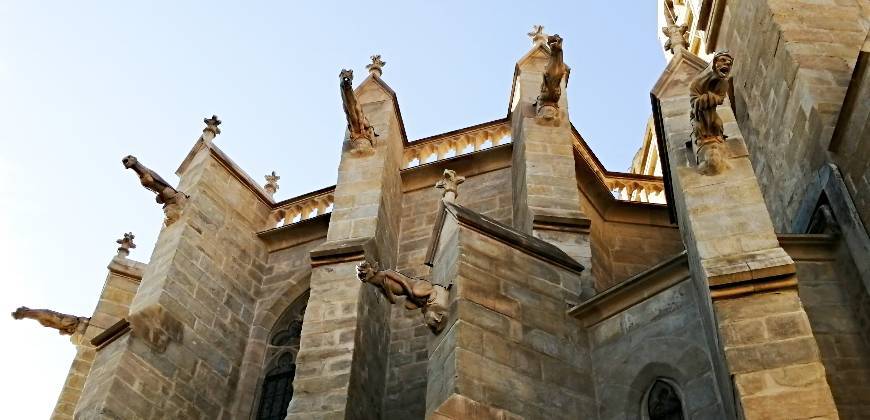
point(167, 195)
point(706, 92)
point(554, 72)
point(65, 324)
point(420, 294)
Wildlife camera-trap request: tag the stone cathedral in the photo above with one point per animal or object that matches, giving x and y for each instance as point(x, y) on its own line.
point(499, 271)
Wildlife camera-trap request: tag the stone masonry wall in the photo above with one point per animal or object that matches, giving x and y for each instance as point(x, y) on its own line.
point(793, 63)
point(509, 345)
point(489, 194)
point(202, 279)
point(838, 307)
point(661, 337)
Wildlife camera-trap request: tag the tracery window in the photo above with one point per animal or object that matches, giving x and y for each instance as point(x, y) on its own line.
point(277, 386)
point(663, 402)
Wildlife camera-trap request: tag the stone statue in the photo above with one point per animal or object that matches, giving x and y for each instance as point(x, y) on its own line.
point(551, 89)
point(450, 184)
point(420, 294)
point(171, 198)
point(65, 324)
point(707, 91)
point(126, 244)
point(271, 186)
point(362, 134)
point(677, 34)
point(377, 66)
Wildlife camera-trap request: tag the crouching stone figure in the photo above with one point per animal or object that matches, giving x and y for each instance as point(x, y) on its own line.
point(432, 299)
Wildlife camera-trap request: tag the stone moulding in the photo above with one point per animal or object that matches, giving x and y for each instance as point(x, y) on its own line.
point(114, 332)
point(526, 243)
point(343, 251)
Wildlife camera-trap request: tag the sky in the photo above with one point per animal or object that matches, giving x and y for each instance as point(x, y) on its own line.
point(84, 83)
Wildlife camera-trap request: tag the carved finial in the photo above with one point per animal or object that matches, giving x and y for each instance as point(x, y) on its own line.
point(126, 244)
point(271, 186)
point(450, 184)
point(211, 128)
point(537, 35)
point(677, 34)
point(65, 324)
point(377, 66)
point(707, 91)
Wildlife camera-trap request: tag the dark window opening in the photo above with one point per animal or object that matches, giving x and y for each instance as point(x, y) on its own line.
point(663, 402)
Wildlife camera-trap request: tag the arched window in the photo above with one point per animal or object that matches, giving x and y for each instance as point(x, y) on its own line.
point(277, 389)
point(663, 402)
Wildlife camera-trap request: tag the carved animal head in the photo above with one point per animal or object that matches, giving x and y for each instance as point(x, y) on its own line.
point(554, 42)
point(365, 271)
point(346, 77)
point(129, 161)
point(19, 313)
point(722, 63)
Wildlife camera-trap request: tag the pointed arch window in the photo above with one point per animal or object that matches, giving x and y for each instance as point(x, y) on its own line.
point(277, 385)
point(663, 402)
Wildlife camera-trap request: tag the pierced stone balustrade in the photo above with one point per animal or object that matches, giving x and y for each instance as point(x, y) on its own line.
point(629, 187)
point(455, 143)
point(304, 207)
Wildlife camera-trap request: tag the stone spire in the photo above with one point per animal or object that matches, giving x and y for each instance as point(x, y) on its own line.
point(211, 128)
point(126, 244)
point(450, 184)
point(537, 35)
point(376, 68)
point(271, 186)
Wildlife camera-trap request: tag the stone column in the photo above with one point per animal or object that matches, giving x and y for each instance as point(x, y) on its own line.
point(191, 316)
point(545, 191)
point(341, 366)
point(769, 349)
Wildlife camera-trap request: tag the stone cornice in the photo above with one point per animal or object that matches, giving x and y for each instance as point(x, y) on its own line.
point(633, 291)
point(526, 243)
point(114, 332)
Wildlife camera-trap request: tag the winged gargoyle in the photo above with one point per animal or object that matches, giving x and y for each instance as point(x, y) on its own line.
point(419, 293)
point(171, 198)
point(362, 134)
point(551, 88)
point(65, 324)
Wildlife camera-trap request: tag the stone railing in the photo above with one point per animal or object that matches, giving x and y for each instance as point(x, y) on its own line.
point(637, 188)
point(303, 207)
point(455, 143)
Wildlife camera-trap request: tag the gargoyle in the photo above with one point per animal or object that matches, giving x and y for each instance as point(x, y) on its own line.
point(551, 88)
point(420, 294)
point(65, 324)
point(362, 134)
point(707, 91)
point(171, 198)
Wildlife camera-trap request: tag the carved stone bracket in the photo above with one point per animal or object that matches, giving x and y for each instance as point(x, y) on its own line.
point(63, 323)
point(431, 299)
point(157, 327)
point(450, 184)
point(547, 105)
point(126, 244)
point(362, 134)
point(173, 200)
point(707, 91)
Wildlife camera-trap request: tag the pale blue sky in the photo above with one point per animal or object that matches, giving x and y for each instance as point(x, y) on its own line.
point(85, 83)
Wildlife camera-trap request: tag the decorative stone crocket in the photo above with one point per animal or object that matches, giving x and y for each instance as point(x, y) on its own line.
point(172, 199)
point(706, 92)
point(63, 323)
point(419, 293)
point(362, 134)
point(547, 105)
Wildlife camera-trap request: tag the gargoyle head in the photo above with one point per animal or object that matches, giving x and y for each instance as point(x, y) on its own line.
point(554, 42)
point(346, 77)
point(19, 313)
point(722, 62)
point(129, 161)
point(365, 271)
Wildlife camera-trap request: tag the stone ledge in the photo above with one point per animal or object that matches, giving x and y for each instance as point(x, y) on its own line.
point(294, 234)
point(809, 247)
point(127, 268)
point(748, 266)
point(343, 251)
point(633, 291)
point(502, 233)
point(469, 164)
point(116, 331)
point(561, 223)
